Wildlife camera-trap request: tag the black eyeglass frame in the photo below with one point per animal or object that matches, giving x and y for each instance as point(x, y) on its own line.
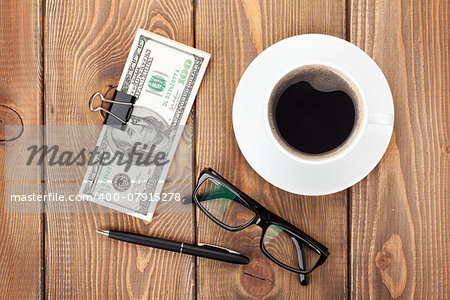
point(263, 218)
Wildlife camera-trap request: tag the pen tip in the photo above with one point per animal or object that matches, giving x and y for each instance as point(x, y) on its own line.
point(104, 232)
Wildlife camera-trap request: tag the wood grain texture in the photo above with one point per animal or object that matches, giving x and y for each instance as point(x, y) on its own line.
point(407, 195)
point(235, 32)
point(391, 263)
point(87, 43)
point(21, 90)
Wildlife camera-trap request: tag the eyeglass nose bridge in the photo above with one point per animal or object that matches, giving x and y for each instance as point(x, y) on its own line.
point(263, 219)
point(264, 215)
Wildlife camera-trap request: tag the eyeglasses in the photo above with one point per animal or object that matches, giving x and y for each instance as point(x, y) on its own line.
point(282, 242)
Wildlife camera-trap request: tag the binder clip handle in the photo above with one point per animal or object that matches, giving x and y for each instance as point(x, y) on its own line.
point(100, 108)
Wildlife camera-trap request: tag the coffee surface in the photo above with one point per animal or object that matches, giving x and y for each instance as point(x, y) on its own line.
point(312, 121)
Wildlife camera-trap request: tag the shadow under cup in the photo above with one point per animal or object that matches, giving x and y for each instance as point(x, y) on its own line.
point(315, 112)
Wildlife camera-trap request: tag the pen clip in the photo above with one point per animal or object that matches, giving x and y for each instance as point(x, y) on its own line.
point(217, 247)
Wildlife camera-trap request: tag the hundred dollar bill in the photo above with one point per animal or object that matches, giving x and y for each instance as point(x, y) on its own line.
point(164, 76)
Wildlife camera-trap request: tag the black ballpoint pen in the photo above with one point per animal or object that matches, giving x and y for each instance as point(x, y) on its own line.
point(200, 250)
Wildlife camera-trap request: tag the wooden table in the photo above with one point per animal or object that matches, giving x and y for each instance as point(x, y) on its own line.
point(389, 235)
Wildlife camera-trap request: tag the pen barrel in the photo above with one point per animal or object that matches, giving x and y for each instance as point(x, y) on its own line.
point(216, 254)
point(145, 240)
point(201, 251)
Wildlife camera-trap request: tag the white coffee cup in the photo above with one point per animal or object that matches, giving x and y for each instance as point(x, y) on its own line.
point(326, 77)
point(296, 172)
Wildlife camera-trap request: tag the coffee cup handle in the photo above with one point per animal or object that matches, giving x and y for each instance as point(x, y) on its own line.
point(381, 119)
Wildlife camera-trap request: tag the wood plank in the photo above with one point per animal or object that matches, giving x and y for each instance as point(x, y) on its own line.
point(400, 213)
point(235, 32)
point(87, 44)
point(20, 90)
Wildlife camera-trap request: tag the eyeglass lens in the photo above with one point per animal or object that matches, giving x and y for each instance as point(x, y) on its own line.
point(287, 249)
point(223, 204)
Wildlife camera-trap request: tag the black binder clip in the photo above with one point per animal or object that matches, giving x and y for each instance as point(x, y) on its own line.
point(120, 110)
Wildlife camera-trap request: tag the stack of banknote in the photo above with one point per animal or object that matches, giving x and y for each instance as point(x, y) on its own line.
point(164, 76)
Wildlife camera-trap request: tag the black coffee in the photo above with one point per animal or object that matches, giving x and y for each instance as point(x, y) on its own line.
point(312, 121)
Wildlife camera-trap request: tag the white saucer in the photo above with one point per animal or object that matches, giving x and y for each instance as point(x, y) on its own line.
point(249, 119)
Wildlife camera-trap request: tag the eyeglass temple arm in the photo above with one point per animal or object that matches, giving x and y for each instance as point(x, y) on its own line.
point(301, 260)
